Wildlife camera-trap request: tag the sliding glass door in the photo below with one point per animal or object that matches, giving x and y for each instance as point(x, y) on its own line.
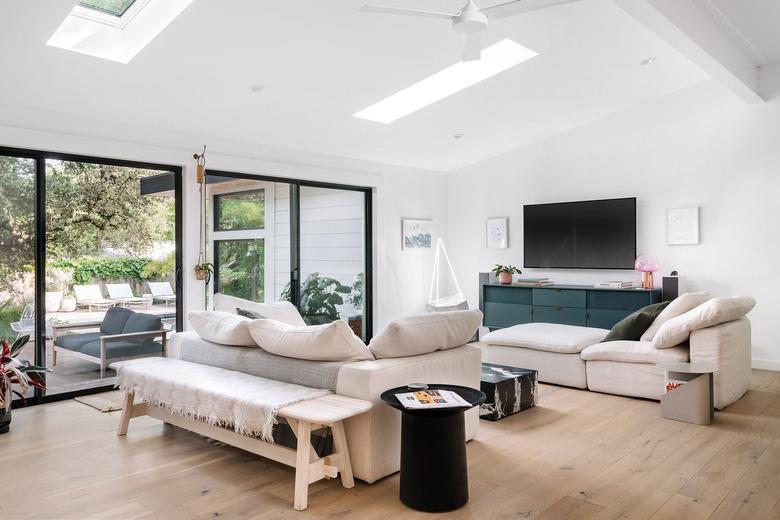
point(308, 243)
point(83, 238)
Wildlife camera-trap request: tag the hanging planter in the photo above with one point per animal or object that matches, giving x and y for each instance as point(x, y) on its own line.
point(203, 271)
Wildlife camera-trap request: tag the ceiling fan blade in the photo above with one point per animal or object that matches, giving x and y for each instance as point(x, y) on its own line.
point(514, 7)
point(472, 47)
point(400, 10)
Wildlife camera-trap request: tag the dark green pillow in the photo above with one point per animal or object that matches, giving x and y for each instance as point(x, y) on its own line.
point(634, 325)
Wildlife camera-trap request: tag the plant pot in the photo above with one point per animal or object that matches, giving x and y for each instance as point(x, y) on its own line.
point(202, 274)
point(356, 324)
point(68, 305)
point(5, 421)
point(505, 278)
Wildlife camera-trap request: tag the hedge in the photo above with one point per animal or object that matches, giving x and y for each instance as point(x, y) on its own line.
point(86, 269)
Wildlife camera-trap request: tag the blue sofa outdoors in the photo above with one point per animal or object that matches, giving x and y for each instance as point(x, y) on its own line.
point(124, 334)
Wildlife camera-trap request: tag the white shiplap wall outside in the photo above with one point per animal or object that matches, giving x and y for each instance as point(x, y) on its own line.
point(332, 235)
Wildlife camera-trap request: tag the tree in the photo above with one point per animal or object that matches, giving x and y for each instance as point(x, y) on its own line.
point(91, 208)
point(17, 219)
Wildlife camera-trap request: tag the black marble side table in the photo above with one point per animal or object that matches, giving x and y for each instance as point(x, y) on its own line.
point(508, 389)
point(434, 475)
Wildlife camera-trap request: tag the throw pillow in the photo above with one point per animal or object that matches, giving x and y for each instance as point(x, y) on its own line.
point(249, 314)
point(635, 324)
point(425, 333)
point(222, 327)
point(711, 313)
point(330, 342)
point(281, 311)
point(678, 306)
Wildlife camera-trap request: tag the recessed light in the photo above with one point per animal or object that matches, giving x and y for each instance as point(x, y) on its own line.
point(647, 61)
point(495, 59)
point(256, 88)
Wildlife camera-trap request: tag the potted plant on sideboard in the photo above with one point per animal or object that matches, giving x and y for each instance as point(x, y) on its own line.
point(505, 272)
point(15, 370)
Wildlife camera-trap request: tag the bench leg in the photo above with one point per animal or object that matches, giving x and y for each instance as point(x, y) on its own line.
point(301, 500)
point(127, 412)
point(345, 466)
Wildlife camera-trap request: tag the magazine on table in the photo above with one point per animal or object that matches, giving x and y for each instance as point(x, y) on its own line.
point(431, 399)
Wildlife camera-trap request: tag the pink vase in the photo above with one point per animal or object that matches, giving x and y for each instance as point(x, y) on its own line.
point(505, 278)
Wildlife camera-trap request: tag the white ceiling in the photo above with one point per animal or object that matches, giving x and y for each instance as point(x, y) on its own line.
point(321, 61)
point(756, 22)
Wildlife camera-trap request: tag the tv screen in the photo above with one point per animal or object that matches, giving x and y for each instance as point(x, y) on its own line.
point(595, 234)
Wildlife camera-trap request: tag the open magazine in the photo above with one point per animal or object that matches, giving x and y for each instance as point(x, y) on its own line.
point(431, 399)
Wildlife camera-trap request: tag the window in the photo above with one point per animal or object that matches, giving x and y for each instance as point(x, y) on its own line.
point(240, 267)
point(239, 211)
point(112, 7)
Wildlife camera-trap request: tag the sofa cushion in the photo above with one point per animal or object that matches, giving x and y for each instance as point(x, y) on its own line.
point(140, 322)
point(122, 349)
point(115, 319)
point(74, 342)
point(679, 305)
point(425, 333)
point(222, 327)
point(333, 341)
point(280, 311)
point(635, 324)
point(708, 314)
point(634, 352)
point(550, 337)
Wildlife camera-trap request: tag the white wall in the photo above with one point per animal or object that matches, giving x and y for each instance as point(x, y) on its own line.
point(398, 192)
point(697, 147)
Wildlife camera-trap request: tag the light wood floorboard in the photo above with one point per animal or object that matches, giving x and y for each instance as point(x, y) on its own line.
point(577, 455)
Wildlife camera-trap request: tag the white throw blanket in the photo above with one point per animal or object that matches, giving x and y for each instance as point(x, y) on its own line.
point(220, 397)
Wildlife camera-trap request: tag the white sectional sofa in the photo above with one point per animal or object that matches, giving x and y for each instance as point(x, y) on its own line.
point(576, 357)
point(374, 437)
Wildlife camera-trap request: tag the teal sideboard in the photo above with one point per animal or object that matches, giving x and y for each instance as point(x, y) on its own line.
point(583, 305)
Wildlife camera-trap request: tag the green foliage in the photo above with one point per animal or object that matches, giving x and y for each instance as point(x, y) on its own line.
point(319, 297)
point(9, 313)
point(498, 269)
point(17, 219)
point(91, 207)
point(242, 268)
point(87, 269)
point(242, 210)
point(159, 269)
point(355, 297)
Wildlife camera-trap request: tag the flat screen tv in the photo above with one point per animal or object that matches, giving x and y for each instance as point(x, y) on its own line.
point(594, 234)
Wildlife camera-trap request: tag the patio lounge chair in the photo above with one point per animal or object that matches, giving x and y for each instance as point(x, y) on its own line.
point(123, 335)
point(123, 294)
point(162, 291)
point(90, 296)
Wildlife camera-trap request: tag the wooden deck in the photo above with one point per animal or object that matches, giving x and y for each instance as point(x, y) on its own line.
point(577, 455)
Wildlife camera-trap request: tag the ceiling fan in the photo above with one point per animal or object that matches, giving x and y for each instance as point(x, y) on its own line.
point(471, 20)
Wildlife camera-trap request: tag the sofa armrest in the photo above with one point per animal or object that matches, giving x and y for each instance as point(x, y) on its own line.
point(727, 346)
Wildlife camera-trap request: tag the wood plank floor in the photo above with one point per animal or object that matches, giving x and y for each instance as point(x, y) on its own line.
point(577, 455)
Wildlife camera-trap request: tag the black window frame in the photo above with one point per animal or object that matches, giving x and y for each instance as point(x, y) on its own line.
point(216, 263)
point(217, 203)
point(295, 244)
point(40, 157)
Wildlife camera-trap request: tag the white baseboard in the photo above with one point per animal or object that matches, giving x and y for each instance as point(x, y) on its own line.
point(766, 364)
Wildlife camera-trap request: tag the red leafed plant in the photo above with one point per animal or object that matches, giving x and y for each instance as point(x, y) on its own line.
point(15, 370)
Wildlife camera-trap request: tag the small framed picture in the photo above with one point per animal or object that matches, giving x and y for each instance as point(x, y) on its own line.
point(416, 234)
point(682, 226)
point(496, 233)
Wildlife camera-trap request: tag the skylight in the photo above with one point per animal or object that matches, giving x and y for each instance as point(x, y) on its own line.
point(495, 59)
point(115, 30)
point(112, 7)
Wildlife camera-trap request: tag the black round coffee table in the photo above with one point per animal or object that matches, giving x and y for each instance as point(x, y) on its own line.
point(434, 476)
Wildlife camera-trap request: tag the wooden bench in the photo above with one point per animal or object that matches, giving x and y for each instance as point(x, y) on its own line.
point(303, 417)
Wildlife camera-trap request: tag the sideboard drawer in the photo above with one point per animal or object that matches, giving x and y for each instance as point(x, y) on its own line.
point(560, 298)
point(622, 300)
point(561, 315)
point(508, 294)
point(499, 315)
point(605, 319)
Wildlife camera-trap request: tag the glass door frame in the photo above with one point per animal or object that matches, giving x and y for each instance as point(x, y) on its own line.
point(40, 157)
point(295, 232)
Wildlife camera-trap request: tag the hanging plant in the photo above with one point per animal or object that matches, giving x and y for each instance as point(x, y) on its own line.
point(203, 271)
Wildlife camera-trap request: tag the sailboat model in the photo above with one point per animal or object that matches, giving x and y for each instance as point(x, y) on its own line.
point(445, 293)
